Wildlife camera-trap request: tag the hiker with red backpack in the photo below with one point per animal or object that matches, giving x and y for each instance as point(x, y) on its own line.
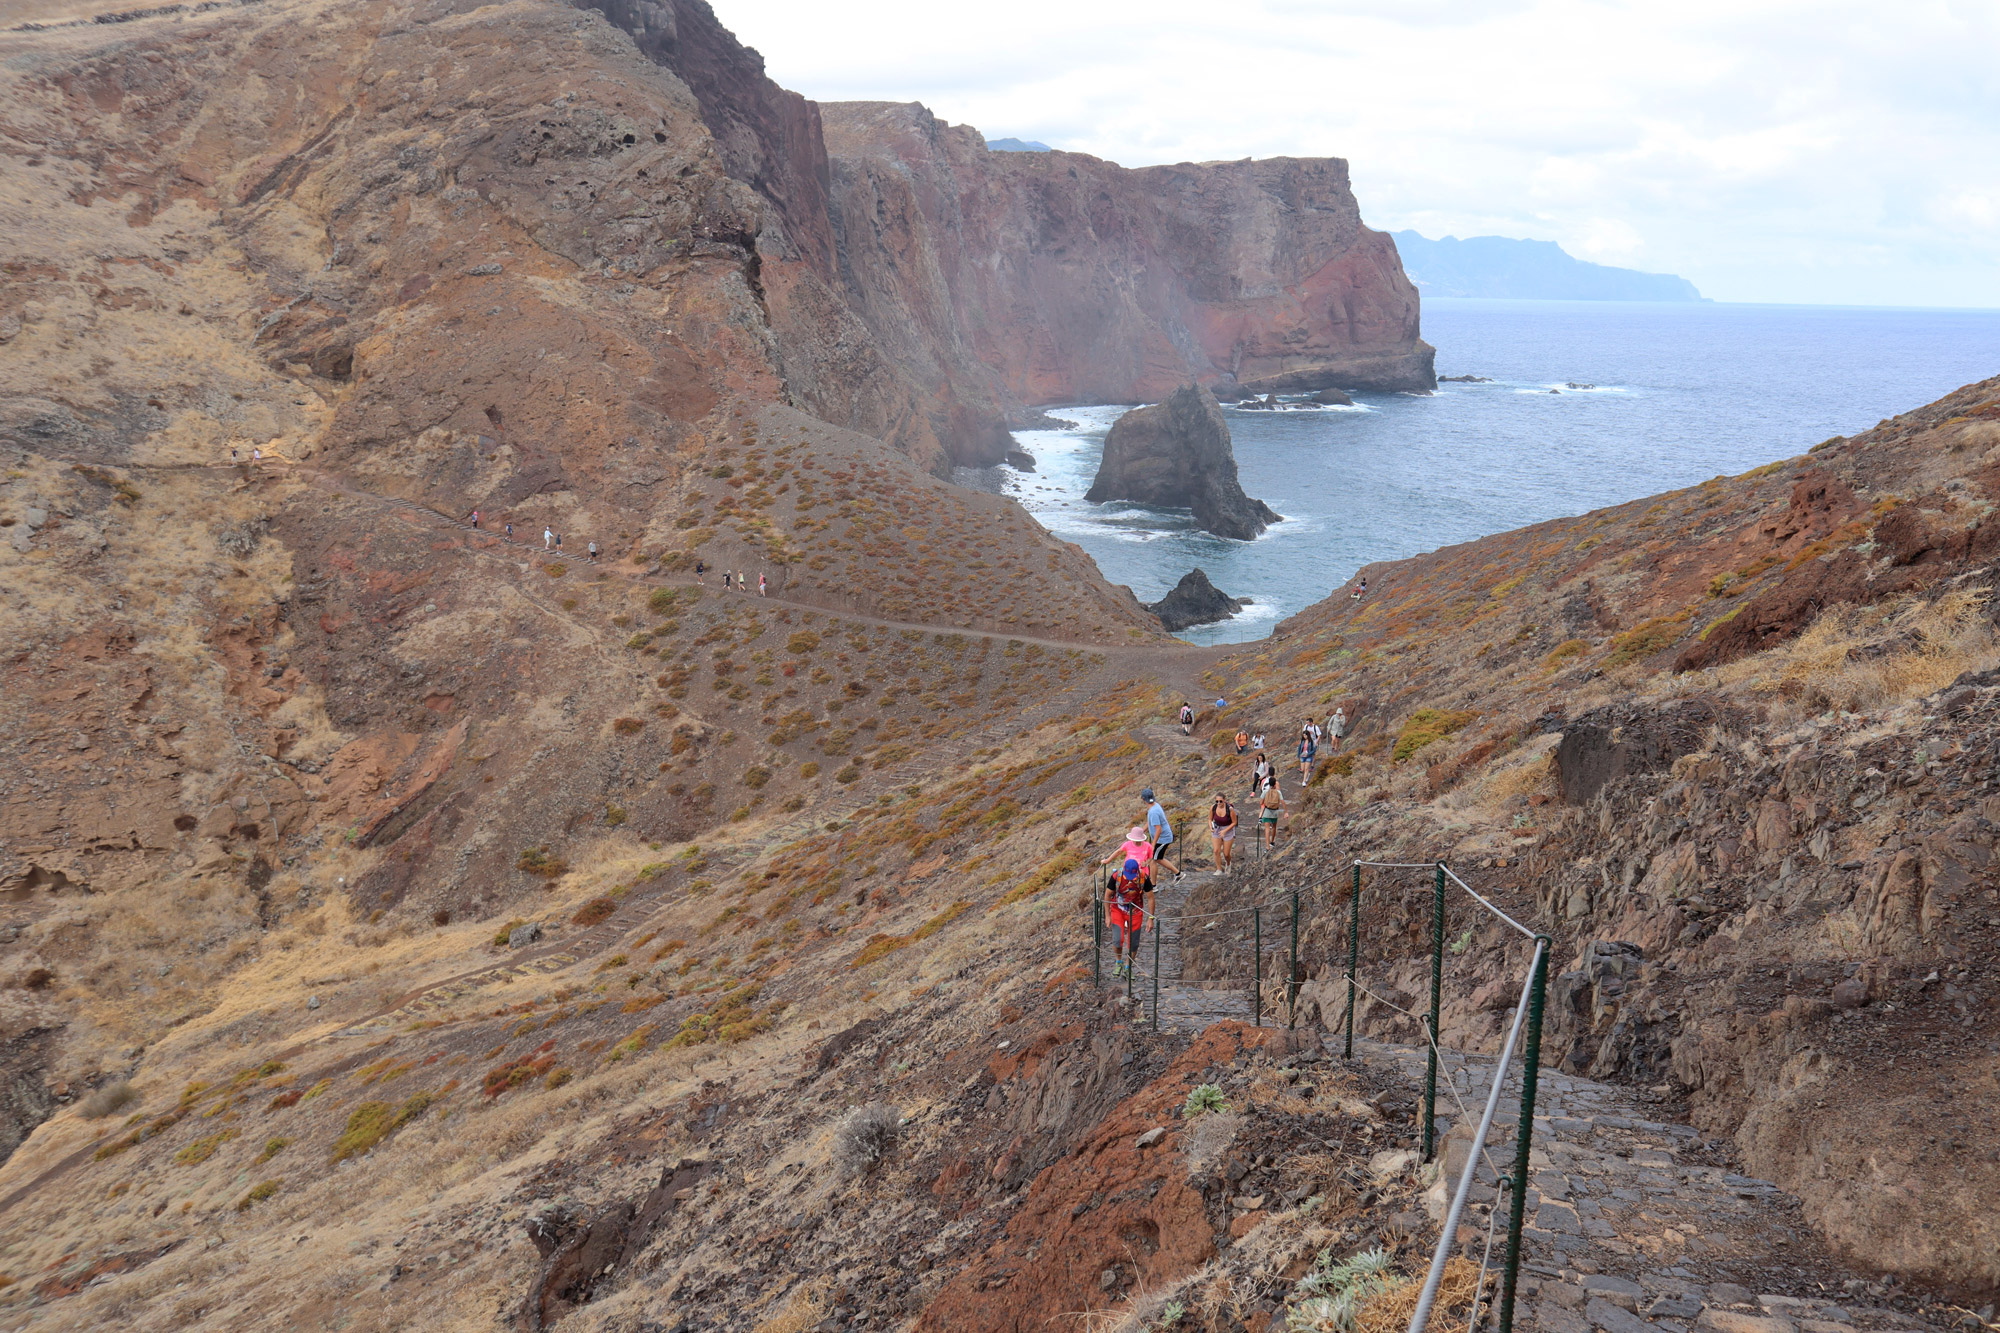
point(1127, 896)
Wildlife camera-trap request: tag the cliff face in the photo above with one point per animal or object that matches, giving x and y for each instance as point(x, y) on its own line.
point(1057, 277)
point(922, 289)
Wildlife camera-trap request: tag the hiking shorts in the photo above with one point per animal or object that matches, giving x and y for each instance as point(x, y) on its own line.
point(1129, 922)
point(1224, 832)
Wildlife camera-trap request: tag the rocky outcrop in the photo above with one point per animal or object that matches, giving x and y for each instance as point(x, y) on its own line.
point(1195, 601)
point(920, 288)
point(1176, 455)
point(1059, 277)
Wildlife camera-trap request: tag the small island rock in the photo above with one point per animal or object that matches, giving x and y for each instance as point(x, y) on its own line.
point(1195, 601)
point(1176, 455)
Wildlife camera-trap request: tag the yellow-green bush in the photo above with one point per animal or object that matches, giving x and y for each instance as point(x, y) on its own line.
point(1427, 725)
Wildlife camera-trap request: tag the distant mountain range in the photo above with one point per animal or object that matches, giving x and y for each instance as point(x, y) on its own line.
point(1527, 270)
point(1018, 146)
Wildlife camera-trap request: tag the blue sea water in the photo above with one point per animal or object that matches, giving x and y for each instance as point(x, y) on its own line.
point(1679, 393)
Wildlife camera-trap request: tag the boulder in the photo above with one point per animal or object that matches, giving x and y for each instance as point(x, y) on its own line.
point(1194, 601)
point(1177, 455)
point(1020, 460)
point(1332, 398)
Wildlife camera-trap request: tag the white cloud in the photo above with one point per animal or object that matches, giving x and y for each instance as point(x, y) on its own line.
point(1769, 150)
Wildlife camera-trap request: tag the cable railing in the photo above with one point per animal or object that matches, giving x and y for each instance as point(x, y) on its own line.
point(1528, 1014)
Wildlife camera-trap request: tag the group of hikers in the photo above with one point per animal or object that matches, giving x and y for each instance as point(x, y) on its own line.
point(1128, 890)
point(738, 579)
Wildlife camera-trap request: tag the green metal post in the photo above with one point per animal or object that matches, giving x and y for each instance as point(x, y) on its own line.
point(1531, 1065)
point(1353, 955)
point(1130, 958)
point(1096, 941)
point(1156, 974)
point(1292, 977)
point(1257, 965)
point(1437, 996)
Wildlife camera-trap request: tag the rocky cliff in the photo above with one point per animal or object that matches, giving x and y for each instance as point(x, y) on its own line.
point(924, 290)
point(1059, 277)
point(1176, 454)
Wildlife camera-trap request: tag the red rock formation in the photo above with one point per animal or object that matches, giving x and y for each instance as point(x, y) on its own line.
point(921, 289)
point(1058, 277)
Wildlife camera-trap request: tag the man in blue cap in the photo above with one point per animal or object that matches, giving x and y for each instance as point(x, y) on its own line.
point(1127, 895)
point(1162, 831)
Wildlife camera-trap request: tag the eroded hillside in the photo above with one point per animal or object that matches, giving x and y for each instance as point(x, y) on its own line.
point(405, 923)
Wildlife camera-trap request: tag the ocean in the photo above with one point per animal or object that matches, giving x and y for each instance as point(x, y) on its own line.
point(1675, 394)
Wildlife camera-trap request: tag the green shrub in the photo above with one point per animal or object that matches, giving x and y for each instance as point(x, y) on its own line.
point(258, 1193)
point(1427, 725)
point(537, 861)
point(1646, 638)
point(1205, 1100)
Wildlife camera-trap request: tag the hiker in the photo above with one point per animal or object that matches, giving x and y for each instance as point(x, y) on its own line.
point(725, 578)
point(1125, 902)
point(1187, 720)
point(1222, 827)
point(1257, 740)
point(548, 541)
point(1162, 831)
point(474, 516)
point(257, 456)
point(593, 552)
point(510, 532)
point(1242, 741)
point(699, 570)
point(1336, 727)
point(762, 586)
point(1361, 591)
point(232, 455)
point(1260, 772)
point(1306, 751)
point(1136, 847)
point(559, 541)
point(1269, 806)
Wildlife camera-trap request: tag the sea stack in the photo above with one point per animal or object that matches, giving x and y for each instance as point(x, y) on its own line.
point(1195, 601)
point(1177, 455)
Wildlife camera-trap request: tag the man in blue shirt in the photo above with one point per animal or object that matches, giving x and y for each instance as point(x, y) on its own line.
point(1162, 831)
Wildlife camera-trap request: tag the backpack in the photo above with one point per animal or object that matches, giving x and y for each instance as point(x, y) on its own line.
point(1128, 890)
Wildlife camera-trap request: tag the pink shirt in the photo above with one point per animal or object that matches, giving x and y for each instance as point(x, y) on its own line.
point(1142, 852)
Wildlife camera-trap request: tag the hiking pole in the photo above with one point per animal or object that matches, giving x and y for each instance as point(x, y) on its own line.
point(1353, 955)
point(1437, 992)
point(1156, 973)
point(1531, 1066)
point(1292, 977)
point(1257, 964)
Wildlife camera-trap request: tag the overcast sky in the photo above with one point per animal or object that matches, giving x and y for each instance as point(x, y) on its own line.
point(1841, 151)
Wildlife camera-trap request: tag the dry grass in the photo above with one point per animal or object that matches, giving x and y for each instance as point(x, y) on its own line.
point(805, 1308)
point(1390, 1312)
point(1857, 659)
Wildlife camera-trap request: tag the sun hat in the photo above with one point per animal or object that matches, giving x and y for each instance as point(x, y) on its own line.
point(1131, 866)
point(1137, 833)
